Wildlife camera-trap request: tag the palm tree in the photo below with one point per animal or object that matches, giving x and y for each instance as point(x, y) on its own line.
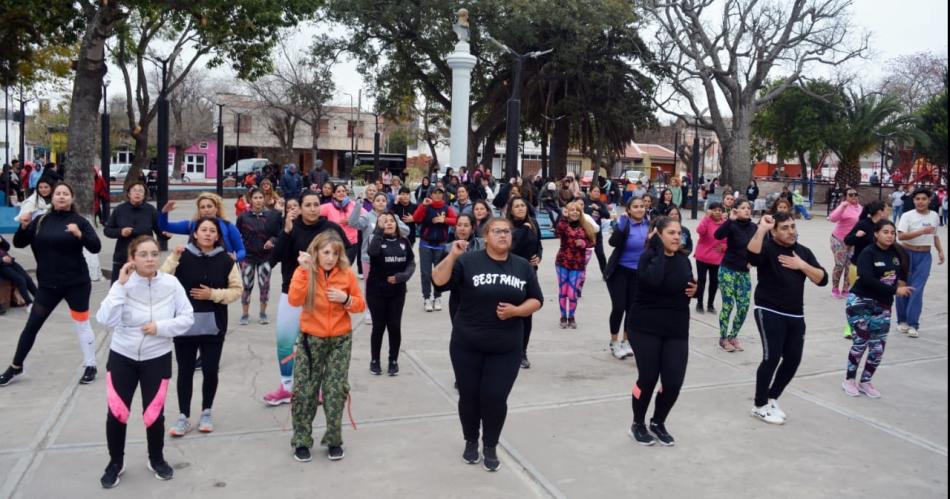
point(864, 119)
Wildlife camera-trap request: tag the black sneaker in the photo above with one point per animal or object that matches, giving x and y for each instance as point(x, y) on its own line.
point(638, 432)
point(491, 462)
point(7, 377)
point(525, 363)
point(662, 435)
point(471, 455)
point(110, 478)
point(161, 469)
point(699, 308)
point(393, 368)
point(302, 454)
point(198, 364)
point(335, 452)
point(375, 368)
point(711, 309)
point(88, 375)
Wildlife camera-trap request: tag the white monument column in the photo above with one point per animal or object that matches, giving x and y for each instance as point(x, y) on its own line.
point(461, 61)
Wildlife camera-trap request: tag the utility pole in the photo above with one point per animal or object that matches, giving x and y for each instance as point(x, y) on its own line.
point(694, 186)
point(237, 154)
point(22, 126)
point(219, 181)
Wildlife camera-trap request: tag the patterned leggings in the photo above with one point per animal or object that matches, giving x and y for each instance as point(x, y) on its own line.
point(583, 277)
point(871, 321)
point(248, 272)
point(735, 288)
point(567, 285)
point(842, 254)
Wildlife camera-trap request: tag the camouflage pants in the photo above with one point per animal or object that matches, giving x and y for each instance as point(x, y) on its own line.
point(321, 364)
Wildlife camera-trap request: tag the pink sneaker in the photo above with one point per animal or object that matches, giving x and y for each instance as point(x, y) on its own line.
point(850, 387)
point(278, 396)
point(868, 389)
point(835, 293)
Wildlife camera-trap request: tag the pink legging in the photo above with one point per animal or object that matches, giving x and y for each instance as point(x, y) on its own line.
point(567, 285)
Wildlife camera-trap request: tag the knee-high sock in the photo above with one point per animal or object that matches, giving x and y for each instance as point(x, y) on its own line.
point(87, 342)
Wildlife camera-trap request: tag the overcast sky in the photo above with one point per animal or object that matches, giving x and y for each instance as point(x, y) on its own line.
point(897, 28)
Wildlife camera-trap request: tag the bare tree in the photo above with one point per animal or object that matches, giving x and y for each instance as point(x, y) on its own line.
point(730, 60)
point(915, 79)
point(191, 116)
point(434, 131)
point(280, 115)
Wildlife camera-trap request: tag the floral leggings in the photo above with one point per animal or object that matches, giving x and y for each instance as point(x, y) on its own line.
point(842, 254)
point(735, 288)
point(871, 321)
point(248, 272)
point(567, 284)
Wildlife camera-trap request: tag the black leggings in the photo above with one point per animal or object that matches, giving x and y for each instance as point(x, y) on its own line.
point(599, 252)
point(702, 269)
point(46, 300)
point(783, 338)
point(622, 286)
point(386, 312)
point(658, 359)
point(14, 273)
point(186, 352)
point(124, 375)
point(484, 381)
point(526, 321)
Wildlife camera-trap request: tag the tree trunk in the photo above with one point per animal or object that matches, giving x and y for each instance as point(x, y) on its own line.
point(141, 160)
point(849, 171)
point(179, 160)
point(84, 106)
point(544, 151)
point(560, 142)
point(736, 157)
point(315, 146)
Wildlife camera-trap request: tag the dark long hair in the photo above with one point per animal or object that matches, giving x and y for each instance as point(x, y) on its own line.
point(871, 208)
point(198, 222)
point(527, 217)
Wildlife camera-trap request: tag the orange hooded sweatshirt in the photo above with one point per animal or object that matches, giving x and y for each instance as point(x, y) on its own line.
point(326, 319)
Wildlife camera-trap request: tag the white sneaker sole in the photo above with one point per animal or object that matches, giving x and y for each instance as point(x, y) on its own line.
point(860, 391)
point(764, 420)
point(117, 479)
point(476, 461)
point(149, 464)
point(486, 468)
point(299, 460)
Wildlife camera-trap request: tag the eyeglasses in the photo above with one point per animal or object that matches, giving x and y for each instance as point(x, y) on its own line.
point(852, 194)
point(501, 232)
point(137, 190)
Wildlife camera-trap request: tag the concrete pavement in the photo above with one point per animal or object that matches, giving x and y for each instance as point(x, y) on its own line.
point(566, 430)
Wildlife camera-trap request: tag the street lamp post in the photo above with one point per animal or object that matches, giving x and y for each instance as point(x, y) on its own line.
point(237, 153)
point(219, 181)
point(105, 165)
point(513, 131)
point(880, 180)
point(351, 128)
point(695, 184)
point(161, 160)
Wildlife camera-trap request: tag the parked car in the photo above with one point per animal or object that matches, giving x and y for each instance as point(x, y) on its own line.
point(245, 166)
point(629, 176)
point(119, 171)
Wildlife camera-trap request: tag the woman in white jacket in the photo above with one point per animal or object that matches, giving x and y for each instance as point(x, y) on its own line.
point(145, 309)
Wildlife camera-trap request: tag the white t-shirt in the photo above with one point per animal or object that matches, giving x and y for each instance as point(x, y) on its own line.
point(896, 199)
point(913, 220)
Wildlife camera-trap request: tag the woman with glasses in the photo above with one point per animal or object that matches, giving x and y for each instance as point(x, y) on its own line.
point(128, 221)
point(497, 289)
point(845, 217)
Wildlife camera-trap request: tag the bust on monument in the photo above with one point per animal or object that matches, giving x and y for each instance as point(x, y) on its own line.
point(461, 26)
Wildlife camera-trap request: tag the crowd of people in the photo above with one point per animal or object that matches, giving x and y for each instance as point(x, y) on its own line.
point(480, 241)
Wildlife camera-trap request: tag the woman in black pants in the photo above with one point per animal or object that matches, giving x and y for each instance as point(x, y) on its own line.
point(597, 210)
point(213, 280)
point(145, 309)
point(15, 273)
point(628, 239)
point(659, 325)
point(496, 290)
point(128, 221)
point(391, 264)
point(57, 239)
point(526, 243)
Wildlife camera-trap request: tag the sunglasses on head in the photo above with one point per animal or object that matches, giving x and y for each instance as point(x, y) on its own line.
point(852, 194)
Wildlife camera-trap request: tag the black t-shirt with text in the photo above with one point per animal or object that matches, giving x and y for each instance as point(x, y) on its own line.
point(482, 283)
point(782, 289)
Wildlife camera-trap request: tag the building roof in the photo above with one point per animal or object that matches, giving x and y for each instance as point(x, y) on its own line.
point(656, 152)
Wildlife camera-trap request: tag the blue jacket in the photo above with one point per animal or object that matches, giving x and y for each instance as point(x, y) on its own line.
point(290, 185)
point(231, 235)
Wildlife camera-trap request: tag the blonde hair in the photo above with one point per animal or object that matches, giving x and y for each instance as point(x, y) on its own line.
point(326, 238)
point(588, 228)
point(214, 198)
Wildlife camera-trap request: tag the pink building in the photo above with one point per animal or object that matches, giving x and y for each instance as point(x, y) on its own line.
point(200, 161)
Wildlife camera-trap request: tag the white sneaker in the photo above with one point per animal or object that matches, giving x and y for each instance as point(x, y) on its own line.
point(773, 406)
point(617, 350)
point(765, 413)
point(627, 349)
point(368, 319)
point(437, 303)
point(428, 304)
point(903, 327)
point(912, 332)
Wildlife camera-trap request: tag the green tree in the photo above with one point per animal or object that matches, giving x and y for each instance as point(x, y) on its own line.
point(239, 32)
point(933, 123)
point(798, 122)
point(30, 28)
point(863, 121)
